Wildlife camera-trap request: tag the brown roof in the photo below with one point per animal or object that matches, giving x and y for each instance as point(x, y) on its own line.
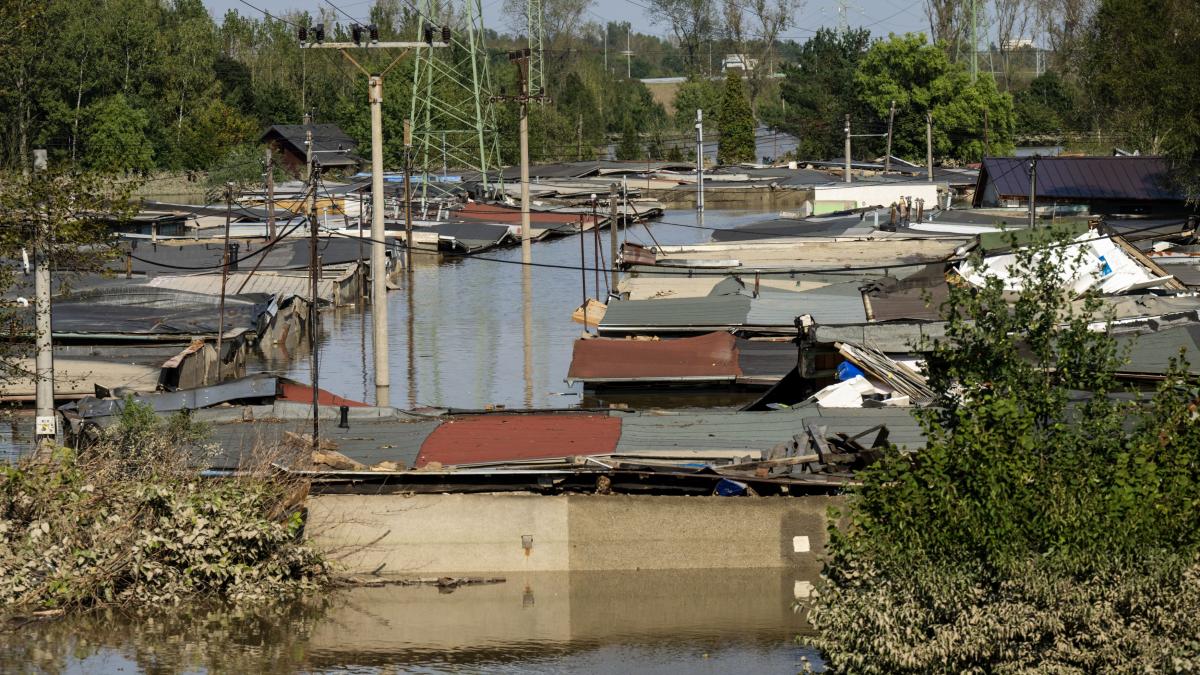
point(707, 357)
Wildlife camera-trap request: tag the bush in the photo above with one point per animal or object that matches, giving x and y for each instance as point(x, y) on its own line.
point(130, 522)
point(1025, 485)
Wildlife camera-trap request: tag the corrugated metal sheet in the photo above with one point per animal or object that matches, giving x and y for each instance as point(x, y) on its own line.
point(675, 315)
point(753, 431)
point(894, 338)
point(490, 438)
point(284, 284)
point(1116, 178)
point(366, 441)
point(1151, 353)
point(766, 360)
point(838, 303)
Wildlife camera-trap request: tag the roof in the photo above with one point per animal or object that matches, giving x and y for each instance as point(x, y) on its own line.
point(1150, 354)
point(152, 313)
point(675, 314)
point(488, 438)
point(1081, 178)
point(715, 357)
point(758, 430)
point(331, 145)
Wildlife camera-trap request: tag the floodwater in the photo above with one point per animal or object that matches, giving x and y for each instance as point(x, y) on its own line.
point(695, 622)
point(460, 338)
point(458, 329)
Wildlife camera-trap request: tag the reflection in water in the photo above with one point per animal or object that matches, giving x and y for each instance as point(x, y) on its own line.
point(461, 328)
point(581, 622)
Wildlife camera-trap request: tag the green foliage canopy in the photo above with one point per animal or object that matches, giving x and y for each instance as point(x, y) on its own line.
point(735, 123)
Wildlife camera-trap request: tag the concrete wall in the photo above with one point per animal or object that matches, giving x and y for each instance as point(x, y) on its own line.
point(880, 194)
point(481, 533)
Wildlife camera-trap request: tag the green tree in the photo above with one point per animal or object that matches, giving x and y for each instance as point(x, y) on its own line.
point(735, 123)
point(1047, 106)
point(819, 89)
point(630, 146)
point(115, 141)
point(920, 78)
point(697, 93)
point(213, 129)
point(1142, 67)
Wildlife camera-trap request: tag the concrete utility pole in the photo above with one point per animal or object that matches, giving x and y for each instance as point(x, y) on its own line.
point(929, 144)
point(614, 219)
point(379, 319)
point(1033, 192)
point(270, 164)
point(314, 271)
point(523, 97)
point(847, 147)
point(46, 424)
point(699, 159)
point(887, 158)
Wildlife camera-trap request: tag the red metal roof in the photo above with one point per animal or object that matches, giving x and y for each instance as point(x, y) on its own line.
point(489, 438)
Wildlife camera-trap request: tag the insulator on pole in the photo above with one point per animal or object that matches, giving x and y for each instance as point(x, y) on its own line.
point(374, 31)
point(302, 33)
point(446, 34)
point(320, 31)
point(356, 33)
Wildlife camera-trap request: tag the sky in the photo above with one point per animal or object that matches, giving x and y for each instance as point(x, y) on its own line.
point(880, 16)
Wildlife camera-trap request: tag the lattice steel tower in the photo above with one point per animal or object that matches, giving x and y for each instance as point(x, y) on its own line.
point(537, 56)
point(454, 119)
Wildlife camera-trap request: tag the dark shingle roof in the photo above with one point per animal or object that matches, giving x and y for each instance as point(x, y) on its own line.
point(1118, 178)
point(332, 145)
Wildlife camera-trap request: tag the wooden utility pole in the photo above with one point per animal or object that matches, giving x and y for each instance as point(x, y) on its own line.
point(986, 133)
point(270, 164)
point(1033, 192)
point(379, 319)
point(614, 217)
point(887, 158)
point(408, 234)
point(929, 144)
point(225, 277)
point(847, 147)
point(46, 424)
point(699, 159)
point(314, 316)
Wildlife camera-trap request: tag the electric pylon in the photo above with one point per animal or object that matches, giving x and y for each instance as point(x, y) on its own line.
point(454, 120)
point(537, 56)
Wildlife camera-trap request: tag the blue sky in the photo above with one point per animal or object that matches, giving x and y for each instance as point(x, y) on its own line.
point(880, 16)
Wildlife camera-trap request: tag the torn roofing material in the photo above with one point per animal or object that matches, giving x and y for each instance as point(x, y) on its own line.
point(155, 313)
point(713, 358)
point(491, 438)
point(1150, 353)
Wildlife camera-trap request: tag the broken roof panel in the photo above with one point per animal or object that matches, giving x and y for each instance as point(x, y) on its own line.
point(837, 303)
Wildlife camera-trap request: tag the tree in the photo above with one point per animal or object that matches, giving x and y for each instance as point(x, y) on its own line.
point(1048, 106)
point(753, 28)
point(735, 123)
point(630, 146)
point(693, 22)
point(698, 93)
point(1144, 78)
point(115, 140)
point(212, 131)
point(819, 89)
point(921, 80)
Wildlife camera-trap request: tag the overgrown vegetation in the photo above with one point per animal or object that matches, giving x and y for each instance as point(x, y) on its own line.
point(129, 522)
point(1040, 526)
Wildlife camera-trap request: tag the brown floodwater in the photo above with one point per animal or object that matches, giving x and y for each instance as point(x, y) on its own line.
point(695, 621)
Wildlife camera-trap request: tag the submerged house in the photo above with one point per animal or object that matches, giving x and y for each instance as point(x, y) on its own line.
point(1105, 185)
point(334, 148)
